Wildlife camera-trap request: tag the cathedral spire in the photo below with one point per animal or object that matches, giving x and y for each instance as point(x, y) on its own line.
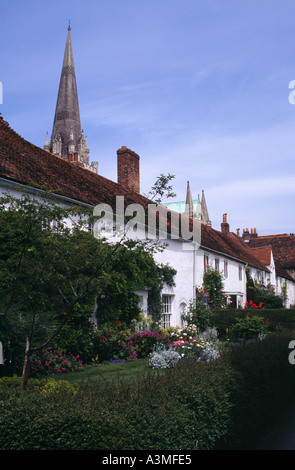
point(67, 113)
point(67, 139)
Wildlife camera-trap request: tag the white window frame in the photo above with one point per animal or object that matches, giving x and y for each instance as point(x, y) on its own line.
point(167, 301)
point(240, 272)
point(225, 270)
point(206, 262)
point(217, 264)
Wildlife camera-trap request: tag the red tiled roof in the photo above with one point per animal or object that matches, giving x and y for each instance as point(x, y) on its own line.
point(283, 247)
point(27, 164)
point(263, 253)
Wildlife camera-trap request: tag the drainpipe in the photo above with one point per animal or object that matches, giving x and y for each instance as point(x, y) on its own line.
point(194, 272)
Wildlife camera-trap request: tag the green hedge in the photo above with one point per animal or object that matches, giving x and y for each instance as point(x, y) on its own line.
point(264, 387)
point(227, 403)
point(278, 318)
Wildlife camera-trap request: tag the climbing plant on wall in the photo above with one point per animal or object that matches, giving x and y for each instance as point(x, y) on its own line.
point(214, 286)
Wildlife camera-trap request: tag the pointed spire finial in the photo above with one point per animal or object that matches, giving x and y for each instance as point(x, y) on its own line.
point(205, 210)
point(189, 202)
point(47, 145)
point(69, 27)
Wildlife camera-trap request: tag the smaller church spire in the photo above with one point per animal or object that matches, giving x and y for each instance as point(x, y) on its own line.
point(47, 145)
point(205, 214)
point(189, 207)
point(199, 210)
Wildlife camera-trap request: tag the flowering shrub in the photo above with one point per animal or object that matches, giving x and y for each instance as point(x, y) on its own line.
point(198, 314)
point(202, 347)
point(141, 343)
point(251, 304)
point(108, 340)
point(51, 362)
point(190, 348)
point(213, 285)
point(128, 350)
point(52, 387)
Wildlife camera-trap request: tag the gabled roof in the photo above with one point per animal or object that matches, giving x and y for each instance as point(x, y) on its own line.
point(263, 253)
point(283, 247)
point(27, 164)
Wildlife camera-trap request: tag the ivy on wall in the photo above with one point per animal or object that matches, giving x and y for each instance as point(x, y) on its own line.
point(166, 276)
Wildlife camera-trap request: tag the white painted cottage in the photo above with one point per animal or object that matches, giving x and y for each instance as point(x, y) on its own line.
point(63, 167)
point(24, 165)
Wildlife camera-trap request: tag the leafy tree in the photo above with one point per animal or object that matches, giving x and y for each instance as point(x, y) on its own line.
point(51, 265)
point(161, 188)
point(133, 268)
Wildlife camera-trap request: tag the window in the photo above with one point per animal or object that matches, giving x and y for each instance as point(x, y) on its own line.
point(217, 264)
point(225, 271)
point(206, 263)
point(240, 273)
point(166, 310)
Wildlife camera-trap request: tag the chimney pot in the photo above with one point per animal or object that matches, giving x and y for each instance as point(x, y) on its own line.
point(224, 224)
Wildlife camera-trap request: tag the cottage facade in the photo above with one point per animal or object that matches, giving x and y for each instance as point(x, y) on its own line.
point(63, 167)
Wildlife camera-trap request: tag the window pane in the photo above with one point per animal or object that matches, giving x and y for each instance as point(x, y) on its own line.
point(166, 310)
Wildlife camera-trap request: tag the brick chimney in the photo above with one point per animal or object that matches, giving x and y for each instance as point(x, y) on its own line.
point(224, 224)
point(254, 233)
point(247, 235)
point(128, 169)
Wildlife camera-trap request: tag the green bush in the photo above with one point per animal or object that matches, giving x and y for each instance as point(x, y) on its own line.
point(223, 404)
point(263, 388)
point(176, 410)
point(248, 327)
point(278, 319)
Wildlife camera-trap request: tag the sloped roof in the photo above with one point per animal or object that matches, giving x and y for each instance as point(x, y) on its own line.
point(230, 244)
point(263, 253)
point(283, 247)
point(27, 164)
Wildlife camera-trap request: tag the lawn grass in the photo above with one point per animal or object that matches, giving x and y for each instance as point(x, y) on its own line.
point(108, 372)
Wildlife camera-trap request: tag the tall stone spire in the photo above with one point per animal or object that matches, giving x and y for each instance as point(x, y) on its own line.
point(67, 139)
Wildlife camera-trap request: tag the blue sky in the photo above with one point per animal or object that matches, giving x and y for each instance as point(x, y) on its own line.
point(198, 88)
